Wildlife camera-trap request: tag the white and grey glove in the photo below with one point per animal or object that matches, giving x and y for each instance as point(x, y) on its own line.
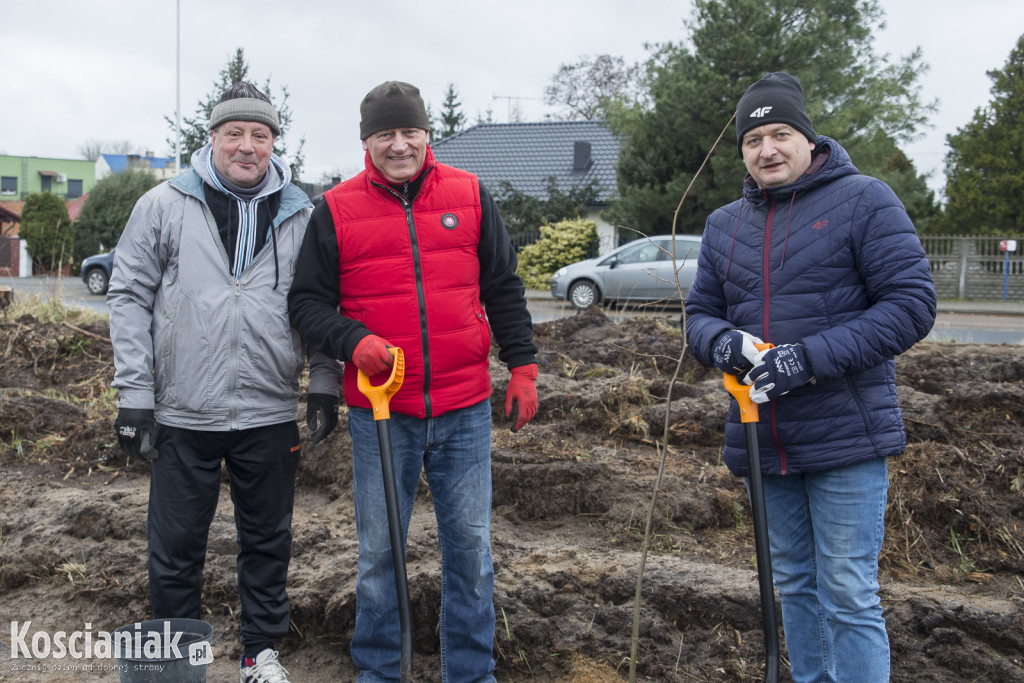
point(778, 371)
point(734, 352)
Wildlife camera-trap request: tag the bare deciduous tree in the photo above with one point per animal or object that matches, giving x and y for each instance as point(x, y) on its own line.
point(584, 87)
point(92, 149)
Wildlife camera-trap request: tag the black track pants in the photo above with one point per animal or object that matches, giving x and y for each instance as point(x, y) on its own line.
point(184, 487)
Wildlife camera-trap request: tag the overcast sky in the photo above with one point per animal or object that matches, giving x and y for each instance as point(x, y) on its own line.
point(106, 69)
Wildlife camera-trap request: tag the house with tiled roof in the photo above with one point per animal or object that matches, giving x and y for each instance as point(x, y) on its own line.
point(526, 155)
point(14, 258)
point(162, 167)
point(10, 218)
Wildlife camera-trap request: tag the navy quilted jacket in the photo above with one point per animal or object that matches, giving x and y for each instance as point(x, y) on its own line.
point(831, 261)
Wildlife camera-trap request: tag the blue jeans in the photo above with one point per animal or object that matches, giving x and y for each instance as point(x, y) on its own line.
point(826, 532)
point(454, 450)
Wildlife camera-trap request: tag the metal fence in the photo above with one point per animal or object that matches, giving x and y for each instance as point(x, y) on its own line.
point(974, 267)
point(522, 239)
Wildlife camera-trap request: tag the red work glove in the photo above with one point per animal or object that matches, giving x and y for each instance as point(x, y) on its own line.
point(371, 355)
point(521, 397)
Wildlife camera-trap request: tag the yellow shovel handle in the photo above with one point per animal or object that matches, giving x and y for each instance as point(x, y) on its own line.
point(741, 392)
point(381, 395)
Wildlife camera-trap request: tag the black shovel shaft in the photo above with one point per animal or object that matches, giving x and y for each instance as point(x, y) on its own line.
point(764, 558)
point(397, 548)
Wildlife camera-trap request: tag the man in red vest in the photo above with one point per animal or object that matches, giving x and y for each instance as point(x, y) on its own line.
point(413, 253)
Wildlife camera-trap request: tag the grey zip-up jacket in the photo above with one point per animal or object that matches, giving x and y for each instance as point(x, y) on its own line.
point(208, 350)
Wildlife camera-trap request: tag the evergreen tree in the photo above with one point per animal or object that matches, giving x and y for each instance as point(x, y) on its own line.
point(106, 210)
point(194, 129)
point(985, 164)
point(487, 116)
point(912, 188)
point(47, 231)
point(435, 123)
point(525, 213)
point(452, 120)
point(853, 95)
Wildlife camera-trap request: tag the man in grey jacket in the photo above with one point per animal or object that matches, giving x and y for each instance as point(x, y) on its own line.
point(207, 367)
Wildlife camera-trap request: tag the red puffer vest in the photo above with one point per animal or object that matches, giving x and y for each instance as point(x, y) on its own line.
point(411, 274)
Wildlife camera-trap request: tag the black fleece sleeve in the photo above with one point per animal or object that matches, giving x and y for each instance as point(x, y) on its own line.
point(501, 290)
point(314, 296)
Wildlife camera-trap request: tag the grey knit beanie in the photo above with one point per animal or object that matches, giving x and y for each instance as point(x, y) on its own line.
point(776, 98)
point(244, 102)
point(392, 105)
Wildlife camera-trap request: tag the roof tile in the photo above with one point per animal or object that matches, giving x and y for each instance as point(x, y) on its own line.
point(527, 154)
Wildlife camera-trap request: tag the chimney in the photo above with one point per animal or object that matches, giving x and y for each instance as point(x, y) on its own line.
point(581, 156)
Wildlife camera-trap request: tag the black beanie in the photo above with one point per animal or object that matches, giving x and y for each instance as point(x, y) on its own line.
point(776, 98)
point(244, 102)
point(392, 105)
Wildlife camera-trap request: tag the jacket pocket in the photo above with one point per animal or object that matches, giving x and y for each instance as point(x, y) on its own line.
point(271, 361)
point(183, 359)
point(484, 328)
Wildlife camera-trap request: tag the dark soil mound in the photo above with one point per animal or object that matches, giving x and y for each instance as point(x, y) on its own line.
point(572, 493)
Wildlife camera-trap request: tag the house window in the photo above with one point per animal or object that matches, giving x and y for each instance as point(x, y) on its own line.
point(74, 189)
point(8, 185)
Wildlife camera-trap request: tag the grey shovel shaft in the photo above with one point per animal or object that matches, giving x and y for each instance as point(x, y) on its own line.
point(763, 552)
point(397, 548)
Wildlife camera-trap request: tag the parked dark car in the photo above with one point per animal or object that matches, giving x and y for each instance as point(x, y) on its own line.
point(638, 271)
point(96, 272)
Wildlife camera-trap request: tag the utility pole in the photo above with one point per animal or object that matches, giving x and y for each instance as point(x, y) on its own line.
point(177, 99)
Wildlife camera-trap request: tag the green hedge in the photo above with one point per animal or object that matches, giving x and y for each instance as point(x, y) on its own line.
point(559, 245)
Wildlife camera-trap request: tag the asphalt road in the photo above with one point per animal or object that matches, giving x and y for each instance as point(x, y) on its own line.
point(965, 322)
point(70, 290)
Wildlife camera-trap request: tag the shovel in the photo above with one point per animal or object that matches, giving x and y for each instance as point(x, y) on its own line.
point(379, 397)
point(748, 416)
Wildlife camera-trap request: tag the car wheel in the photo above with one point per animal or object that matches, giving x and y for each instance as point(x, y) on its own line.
point(584, 294)
point(97, 281)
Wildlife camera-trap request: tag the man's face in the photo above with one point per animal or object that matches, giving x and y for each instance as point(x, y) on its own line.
point(241, 151)
point(398, 153)
point(776, 154)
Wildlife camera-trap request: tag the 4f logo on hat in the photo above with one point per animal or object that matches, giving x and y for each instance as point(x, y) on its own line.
point(760, 112)
point(449, 221)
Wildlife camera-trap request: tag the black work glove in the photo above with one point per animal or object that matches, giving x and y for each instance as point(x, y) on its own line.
point(734, 352)
point(779, 370)
point(321, 415)
point(136, 432)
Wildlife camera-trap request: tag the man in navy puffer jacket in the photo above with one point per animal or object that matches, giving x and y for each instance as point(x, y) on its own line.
point(824, 264)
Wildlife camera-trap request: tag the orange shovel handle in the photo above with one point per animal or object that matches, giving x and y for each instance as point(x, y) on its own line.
point(741, 392)
point(381, 394)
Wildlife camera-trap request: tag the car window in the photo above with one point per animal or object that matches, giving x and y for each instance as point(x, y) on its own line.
point(686, 250)
point(640, 253)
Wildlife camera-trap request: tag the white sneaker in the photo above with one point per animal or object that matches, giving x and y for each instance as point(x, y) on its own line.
point(266, 669)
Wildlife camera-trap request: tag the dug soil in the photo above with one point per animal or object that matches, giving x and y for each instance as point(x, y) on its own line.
point(572, 495)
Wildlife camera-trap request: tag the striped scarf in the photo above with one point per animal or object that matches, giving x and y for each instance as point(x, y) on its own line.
point(247, 205)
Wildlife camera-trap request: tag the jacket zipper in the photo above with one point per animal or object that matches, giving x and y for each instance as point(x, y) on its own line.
point(421, 298)
point(766, 268)
point(233, 383)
